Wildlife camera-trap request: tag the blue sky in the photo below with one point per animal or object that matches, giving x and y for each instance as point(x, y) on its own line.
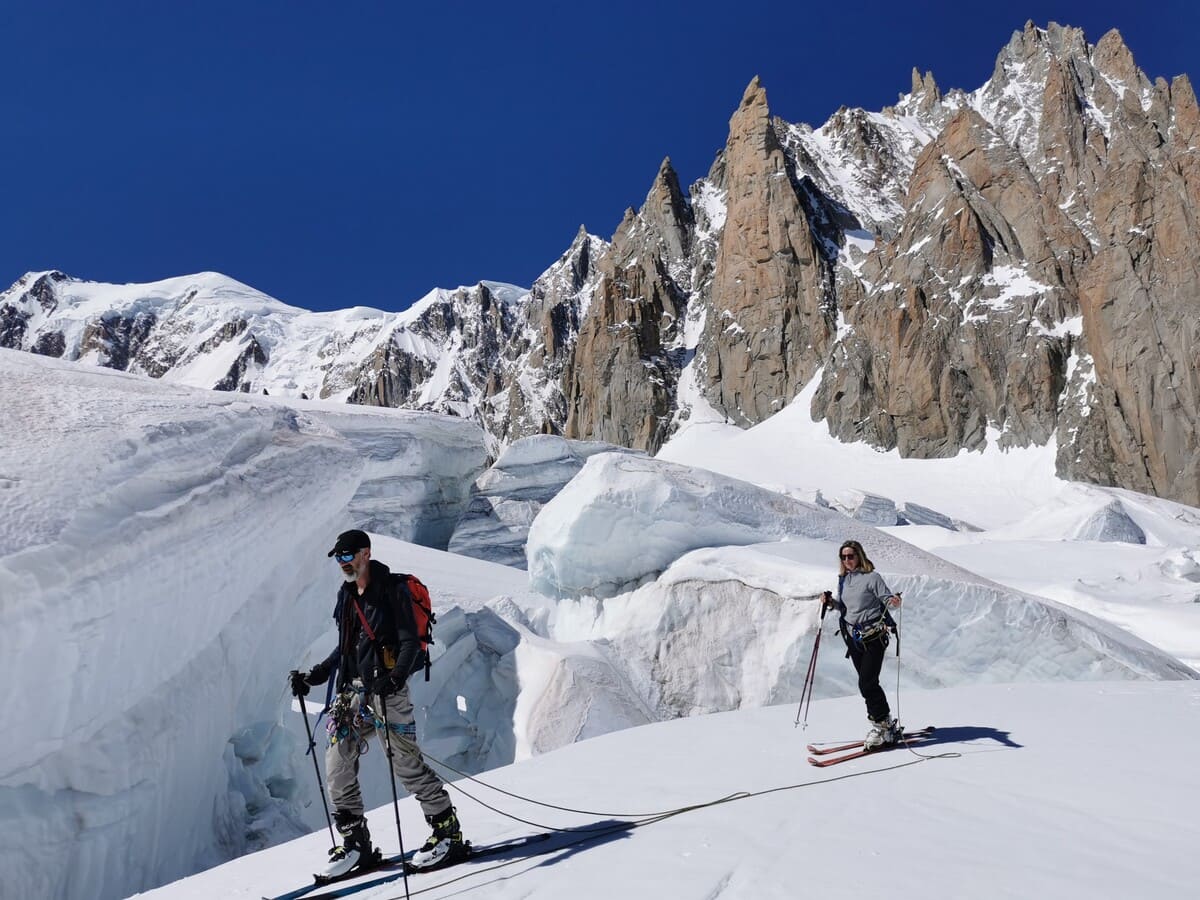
point(334, 154)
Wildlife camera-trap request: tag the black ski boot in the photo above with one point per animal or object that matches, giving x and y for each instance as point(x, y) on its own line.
point(445, 846)
point(355, 855)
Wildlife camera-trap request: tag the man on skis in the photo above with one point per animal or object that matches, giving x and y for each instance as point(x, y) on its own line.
point(378, 648)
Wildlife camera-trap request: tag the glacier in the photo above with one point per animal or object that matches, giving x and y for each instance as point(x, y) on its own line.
point(162, 567)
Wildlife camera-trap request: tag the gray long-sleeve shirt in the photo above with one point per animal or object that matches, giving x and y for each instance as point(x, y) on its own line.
point(863, 595)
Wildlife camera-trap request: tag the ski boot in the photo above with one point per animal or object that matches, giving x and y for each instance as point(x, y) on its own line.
point(882, 734)
point(355, 855)
point(445, 846)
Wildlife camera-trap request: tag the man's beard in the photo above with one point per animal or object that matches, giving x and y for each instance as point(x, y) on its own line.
point(350, 576)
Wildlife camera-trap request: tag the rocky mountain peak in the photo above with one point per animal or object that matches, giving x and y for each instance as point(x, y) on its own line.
point(667, 211)
point(771, 286)
point(568, 275)
point(925, 91)
point(1113, 58)
point(754, 95)
point(1185, 118)
point(751, 121)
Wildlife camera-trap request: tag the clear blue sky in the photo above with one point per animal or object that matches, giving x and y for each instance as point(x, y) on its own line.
point(357, 152)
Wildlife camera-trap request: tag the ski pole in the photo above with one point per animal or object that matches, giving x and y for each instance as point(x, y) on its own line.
point(312, 749)
point(387, 742)
point(899, 623)
point(810, 677)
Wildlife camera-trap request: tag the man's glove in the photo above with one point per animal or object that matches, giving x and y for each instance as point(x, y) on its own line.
point(299, 684)
point(386, 684)
point(318, 674)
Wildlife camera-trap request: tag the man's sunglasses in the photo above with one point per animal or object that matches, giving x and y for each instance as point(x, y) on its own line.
point(345, 556)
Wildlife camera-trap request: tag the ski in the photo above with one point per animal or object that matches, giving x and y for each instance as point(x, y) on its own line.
point(824, 761)
point(839, 748)
point(349, 889)
point(474, 852)
point(319, 882)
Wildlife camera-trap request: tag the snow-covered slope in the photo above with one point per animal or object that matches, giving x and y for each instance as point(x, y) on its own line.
point(1027, 791)
point(1039, 533)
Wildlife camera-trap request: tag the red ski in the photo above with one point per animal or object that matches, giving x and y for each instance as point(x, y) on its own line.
point(839, 748)
point(857, 747)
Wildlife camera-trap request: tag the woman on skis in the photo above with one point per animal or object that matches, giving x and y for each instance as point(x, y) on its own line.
point(863, 600)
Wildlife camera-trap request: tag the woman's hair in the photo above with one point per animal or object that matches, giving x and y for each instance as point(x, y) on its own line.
point(864, 561)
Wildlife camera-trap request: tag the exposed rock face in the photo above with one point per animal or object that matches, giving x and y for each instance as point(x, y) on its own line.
point(1140, 299)
point(31, 295)
point(620, 383)
point(1015, 264)
point(239, 377)
point(771, 312)
point(118, 340)
point(493, 352)
point(1018, 294)
point(390, 377)
point(557, 301)
point(961, 332)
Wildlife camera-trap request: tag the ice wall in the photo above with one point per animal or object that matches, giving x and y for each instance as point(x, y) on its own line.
point(624, 519)
point(733, 627)
point(507, 497)
point(417, 468)
point(720, 621)
point(162, 554)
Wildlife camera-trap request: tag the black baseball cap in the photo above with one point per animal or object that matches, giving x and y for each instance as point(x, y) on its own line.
point(350, 542)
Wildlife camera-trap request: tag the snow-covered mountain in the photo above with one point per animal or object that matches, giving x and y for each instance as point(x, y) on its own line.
point(210, 331)
point(1015, 264)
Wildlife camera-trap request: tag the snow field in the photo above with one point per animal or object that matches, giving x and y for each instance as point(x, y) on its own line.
point(1021, 810)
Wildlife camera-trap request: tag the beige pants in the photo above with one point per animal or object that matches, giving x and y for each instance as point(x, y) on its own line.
point(410, 768)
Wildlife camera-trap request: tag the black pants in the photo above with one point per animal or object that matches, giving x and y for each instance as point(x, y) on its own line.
point(867, 657)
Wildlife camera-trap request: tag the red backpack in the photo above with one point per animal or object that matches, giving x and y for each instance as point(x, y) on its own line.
point(422, 612)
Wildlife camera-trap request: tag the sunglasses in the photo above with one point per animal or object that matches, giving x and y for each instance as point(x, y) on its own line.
point(346, 556)
point(849, 556)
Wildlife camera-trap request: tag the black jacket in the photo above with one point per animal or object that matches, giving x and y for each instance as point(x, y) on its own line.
point(388, 610)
